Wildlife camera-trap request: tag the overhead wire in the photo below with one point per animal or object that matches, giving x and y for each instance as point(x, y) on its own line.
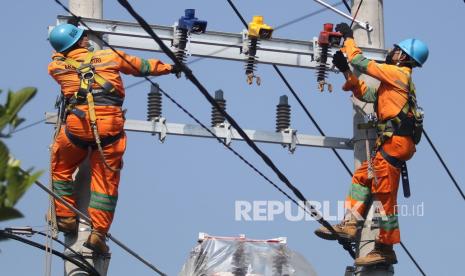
point(314, 121)
point(191, 77)
point(347, 5)
point(443, 164)
point(91, 270)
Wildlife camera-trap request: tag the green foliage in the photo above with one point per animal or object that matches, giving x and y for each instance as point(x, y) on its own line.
point(14, 182)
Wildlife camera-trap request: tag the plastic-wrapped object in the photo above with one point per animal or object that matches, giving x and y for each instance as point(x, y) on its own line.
point(238, 256)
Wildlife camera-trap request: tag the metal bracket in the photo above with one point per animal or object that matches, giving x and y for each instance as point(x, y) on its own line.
point(229, 135)
point(163, 128)
point(245, 42)
point(292, 146)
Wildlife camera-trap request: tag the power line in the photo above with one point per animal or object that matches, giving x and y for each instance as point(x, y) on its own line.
point(90, 270)
point(347, 5)
point(443, 164)
point(191, 77)
point(309, 115)
point(27, 126)
point(412, 258)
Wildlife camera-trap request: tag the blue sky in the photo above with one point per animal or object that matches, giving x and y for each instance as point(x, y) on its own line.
point(169, 192)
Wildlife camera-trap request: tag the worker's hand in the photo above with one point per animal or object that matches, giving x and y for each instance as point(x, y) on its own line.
point(345, 30)
point(340, 61)
point(175, 69)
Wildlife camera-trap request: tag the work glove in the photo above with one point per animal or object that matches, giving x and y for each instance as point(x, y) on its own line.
point(340, 61)
point(176, 70)
point(345, 30)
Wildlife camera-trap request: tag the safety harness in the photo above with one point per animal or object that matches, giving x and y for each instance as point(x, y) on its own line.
point(409, 122)
point(87, 95)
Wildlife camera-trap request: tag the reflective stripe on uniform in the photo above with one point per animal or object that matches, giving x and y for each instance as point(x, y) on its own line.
point(360, 62)
point(144, 67)
point(63, 188)
point(103, 202)
point(402, 85)
point(359, 192)
point(389, 222)
point(370, 95)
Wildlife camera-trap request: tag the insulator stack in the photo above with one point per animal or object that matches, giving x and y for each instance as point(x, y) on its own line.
point(251, 60)
point(323, 67)
point(283, 114)
point(280, 263)
point(181, 45)
point(154, 103)
point(239, 261)
point(217, 117)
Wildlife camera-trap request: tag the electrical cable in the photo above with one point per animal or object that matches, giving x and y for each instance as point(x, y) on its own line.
point(443, 164)
point(27, 126)
point(190, 76)
point(347, 5)
point(412, 258)
point(79, 255)
point(309, 115)
point(89, 270)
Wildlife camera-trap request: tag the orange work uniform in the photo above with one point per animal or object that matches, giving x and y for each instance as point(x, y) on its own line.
point(390, 97)
point(67, 156)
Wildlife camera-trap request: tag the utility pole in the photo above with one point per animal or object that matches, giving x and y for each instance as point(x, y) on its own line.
point(370, 11)
point(89, 9)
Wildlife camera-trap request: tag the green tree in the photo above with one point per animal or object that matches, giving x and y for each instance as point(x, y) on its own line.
point(14, 182)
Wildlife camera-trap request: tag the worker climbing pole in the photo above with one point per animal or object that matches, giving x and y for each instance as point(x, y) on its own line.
point(398, 122)
point(93, 94)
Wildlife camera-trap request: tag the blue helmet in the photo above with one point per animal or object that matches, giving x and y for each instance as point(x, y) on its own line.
point(415, 49)
point(63, 36)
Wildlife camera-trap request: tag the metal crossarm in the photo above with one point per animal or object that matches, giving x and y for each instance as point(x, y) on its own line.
point(227, 133)
point(218, 45)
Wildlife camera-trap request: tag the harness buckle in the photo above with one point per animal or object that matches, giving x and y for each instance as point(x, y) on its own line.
point(86, 71)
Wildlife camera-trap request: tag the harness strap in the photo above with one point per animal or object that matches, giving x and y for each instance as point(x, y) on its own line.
point(105, 141)
point(101, 98)
point(86, 68)
point(402, 165)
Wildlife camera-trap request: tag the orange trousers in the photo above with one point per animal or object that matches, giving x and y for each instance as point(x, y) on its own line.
point(66, 157)
point(383, 191)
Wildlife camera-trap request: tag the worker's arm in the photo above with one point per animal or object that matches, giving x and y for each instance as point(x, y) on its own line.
point(140, 67)
point(383, 72)
point(359, 88)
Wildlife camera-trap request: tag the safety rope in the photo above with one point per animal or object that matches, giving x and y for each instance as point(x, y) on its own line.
point(52, 226)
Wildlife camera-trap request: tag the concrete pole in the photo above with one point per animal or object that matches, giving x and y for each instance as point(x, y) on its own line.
point(372, 12)
point(89, 9)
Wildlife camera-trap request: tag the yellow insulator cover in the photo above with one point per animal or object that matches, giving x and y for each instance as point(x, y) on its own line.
point(258, 29)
